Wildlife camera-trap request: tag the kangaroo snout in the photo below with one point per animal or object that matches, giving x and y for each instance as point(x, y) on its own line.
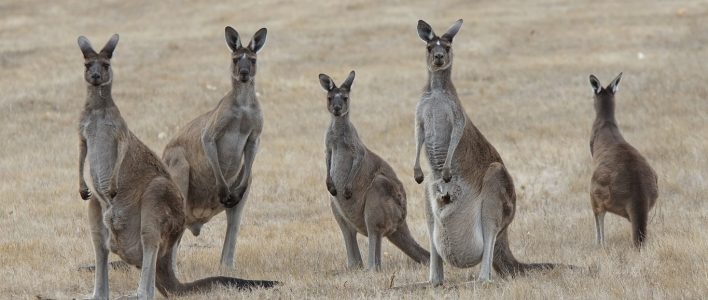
point(243, 74)
point(445, 199)
point(95, 76)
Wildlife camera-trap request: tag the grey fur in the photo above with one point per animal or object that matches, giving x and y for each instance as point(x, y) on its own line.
point(470, 199)
point(211, 158)
point(102, 136)
point(367, 196)
point(136, 210)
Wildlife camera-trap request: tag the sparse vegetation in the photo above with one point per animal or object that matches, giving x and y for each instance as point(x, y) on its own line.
point(521, 72)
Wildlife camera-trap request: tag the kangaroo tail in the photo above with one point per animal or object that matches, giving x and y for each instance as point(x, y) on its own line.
point(506, 264)
point(167, 283)
point(403, 240)
point(638, 215)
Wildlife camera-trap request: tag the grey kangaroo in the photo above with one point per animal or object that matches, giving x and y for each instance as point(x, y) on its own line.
point(135, 208)
point(211, 158)
point(623, 183)
point(470, 199)
point(367, 197)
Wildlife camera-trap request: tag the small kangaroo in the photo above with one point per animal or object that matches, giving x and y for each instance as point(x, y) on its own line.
point(470, 199)
point(135, 208)
point(211, 158)
point(623, 182)
point(367, 197)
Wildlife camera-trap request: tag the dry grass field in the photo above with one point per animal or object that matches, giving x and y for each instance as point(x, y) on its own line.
point(521, 69)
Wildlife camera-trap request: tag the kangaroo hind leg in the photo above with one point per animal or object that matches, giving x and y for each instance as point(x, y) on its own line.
point(99, 236)
point(383, 214)
point(154, 225)
point(600, 228)
point(178, 166)
point(233, 223)
point(498, 203)
point(349, 234)
point(436, 275)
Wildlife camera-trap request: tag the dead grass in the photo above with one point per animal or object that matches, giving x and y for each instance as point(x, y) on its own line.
point(521, 70)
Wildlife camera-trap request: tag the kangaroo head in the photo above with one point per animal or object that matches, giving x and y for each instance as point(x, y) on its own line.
point(98, 65)
point(443, 192)
point(337, 97)
point(243, 59)
point(439, 47)
point(604, 97)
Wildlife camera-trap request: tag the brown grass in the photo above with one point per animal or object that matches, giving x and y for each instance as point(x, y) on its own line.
point(520, 68)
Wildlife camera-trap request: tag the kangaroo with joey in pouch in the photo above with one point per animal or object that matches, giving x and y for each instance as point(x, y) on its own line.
point(470, 195)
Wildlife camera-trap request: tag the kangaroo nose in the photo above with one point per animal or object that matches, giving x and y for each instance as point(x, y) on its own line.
point(438, 55)
point(244, 72)
point(95, 76)
point(337, 108)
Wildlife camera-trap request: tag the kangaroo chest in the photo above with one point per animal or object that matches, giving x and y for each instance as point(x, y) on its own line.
point(436, 112)
point(342, 159)
point(242, 124)
point(344, 145)
point(101, 146)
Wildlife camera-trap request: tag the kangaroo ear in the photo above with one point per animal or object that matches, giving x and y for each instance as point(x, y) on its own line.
point(452, 31)
point(232, 38)
point(425, 32)
point(347, 84)
point(614, 85)
point(326, 82)
point(110, 46)
point(258, 40)
point(85, 47)
point(595, 83)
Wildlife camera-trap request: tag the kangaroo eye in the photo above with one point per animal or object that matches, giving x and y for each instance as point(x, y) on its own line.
point(106, 65)
point(430, 47)
point(253, 60)
point(87, 66)
point(345, 98)
point(329, 98)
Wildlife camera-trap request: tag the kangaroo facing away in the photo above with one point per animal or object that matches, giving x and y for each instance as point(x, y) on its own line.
point(211, 158)
point(367, 197)
point(470, 199)
point(623, 183)
point(135, 208)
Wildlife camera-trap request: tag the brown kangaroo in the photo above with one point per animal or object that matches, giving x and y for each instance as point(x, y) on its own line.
point(623, 183)
point(470, 199)
point(135, 209)
point(367, 196)
point(211, 158)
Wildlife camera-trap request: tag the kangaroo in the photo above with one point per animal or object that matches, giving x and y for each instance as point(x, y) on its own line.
point(367, 197)
point(135, 208)
point(623, 183)
point(470, 199)
point(211, 158)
